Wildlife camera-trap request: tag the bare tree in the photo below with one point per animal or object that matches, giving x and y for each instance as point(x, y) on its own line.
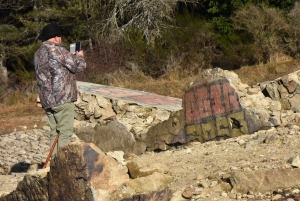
point(149, 17)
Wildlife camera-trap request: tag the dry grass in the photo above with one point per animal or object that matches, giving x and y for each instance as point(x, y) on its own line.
point(255, 74)
point(175, 82)
point(170, 85)
point(20, 116)
point(18, 110)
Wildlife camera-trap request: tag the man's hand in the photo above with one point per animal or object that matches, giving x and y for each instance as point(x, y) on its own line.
point(80, 53)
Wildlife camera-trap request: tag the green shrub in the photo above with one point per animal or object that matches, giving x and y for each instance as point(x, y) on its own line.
point(222, 25)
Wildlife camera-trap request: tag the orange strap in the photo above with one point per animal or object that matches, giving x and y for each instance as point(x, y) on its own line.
point(50, 153)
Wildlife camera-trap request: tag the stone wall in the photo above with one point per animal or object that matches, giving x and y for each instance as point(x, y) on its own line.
point(286, 92)
point(113, 123)
point(272, 103)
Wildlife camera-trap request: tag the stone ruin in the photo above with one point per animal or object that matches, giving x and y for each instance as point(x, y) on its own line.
point(219, 105)
point(216, 106)
point(128, 125)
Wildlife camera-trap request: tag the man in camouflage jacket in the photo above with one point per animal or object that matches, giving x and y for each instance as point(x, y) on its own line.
point(55, 69)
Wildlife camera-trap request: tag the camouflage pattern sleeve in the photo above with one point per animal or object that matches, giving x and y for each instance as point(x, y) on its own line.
point(73, 62)
point(55, 70)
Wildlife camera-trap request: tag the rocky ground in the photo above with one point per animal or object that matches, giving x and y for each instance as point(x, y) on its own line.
point(197, 168)
point(199, 171)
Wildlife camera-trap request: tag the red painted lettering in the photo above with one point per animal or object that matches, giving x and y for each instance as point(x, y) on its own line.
point(216, 98)
point(230, 98)
point(204, 102)
point(191, 113)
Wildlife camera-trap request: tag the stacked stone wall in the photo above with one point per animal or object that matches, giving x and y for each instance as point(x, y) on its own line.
point(130, 125)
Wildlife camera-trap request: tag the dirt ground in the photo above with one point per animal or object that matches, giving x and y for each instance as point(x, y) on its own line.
point(21, 117)
point(197, 166)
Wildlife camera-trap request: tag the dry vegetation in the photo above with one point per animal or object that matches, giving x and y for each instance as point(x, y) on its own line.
point(21, 116)
point(174, 83)
point(18, 110)
point(255, 74)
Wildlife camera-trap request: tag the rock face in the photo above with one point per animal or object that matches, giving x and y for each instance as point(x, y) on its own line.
point(285, 90)
point(213, 112)
point(81, 171)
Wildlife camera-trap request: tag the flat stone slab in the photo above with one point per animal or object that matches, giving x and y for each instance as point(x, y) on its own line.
point(133, 96)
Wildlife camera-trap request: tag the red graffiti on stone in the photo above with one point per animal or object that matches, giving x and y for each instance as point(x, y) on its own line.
point(191, 110)
point(216, 98)
point(231, 98)
point(203, 102)
point(210, 100)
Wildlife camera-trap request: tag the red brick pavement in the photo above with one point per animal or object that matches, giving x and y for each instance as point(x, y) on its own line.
point(132, 96)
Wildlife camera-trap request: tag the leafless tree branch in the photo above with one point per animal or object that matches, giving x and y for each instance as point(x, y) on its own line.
point(148, 16)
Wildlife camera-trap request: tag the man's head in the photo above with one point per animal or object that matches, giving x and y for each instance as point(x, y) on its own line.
point(51, 32)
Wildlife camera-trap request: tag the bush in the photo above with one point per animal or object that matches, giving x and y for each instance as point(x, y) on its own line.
point(104, 58)
point(292, 38)
point(266, 26)
point(234, 51)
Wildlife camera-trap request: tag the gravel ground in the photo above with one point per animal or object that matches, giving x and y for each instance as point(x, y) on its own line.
point(197, 168)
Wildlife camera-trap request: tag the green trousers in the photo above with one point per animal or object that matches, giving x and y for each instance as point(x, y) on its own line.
point(61, 122)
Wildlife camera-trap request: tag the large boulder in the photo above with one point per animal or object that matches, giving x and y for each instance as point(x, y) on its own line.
point(81, 171)
point(212, 111)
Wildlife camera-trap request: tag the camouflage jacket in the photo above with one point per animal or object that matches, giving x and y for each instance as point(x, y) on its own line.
point(55, 69)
